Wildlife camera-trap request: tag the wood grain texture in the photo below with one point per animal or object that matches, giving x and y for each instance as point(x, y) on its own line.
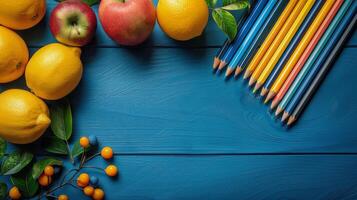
point(167, 101)
point(41, 35)
point(229, 177)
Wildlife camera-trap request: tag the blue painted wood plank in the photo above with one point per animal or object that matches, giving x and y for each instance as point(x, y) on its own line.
point(228, 177)
point(40, 35)
point(166, 100)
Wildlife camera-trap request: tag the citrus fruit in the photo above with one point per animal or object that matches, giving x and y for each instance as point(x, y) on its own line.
point(111, 170)
point(54, 71)
point(107, 153)
point(84, 142)
point(49, 170)
point(83, 180)
point(88, 190)
point(98, 194)
point(23, 116)
point(44, 180)
point(22, 14)
point(14, 193)
point(14, 55)
point(63, 197)
point(182, 19)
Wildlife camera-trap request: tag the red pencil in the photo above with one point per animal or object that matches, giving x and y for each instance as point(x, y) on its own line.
point(301, 62)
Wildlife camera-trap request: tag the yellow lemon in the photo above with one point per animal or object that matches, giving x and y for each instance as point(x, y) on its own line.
point(54, 71)
point(14, 55)
point(23, 116)
point(21, 14)
point(182, 19)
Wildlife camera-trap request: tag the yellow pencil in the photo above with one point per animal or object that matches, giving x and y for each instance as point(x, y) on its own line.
point(284, 30)
point(283, 45)
point(270, 38)
point(300, 49)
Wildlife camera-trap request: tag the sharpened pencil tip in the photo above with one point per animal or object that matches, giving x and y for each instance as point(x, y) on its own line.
point(229, 71)
point(251, 81)
point(216, 62)
point(222, 65)
point(270, 96)
point(291, 120)
point(247, 74)
point(263, 92)
point(257, 86)
point(278, 111)
point(286, 115)
point(238, 71)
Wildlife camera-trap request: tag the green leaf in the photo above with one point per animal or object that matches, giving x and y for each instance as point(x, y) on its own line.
point(15, 162)
point(3, 145)
point(211, 3)
point(237, 6)
point(89, 2)
point(40, 165)
point(78, 150)
point(228, 2)
point(3, 191)
point(226, 22)
point(61, 116)
point(56, 146)
point(27, 185)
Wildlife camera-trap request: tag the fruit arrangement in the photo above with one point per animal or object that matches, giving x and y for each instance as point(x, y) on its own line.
point(55, 70)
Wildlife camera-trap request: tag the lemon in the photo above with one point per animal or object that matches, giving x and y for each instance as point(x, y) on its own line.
point(21, 14)
point(54, 71)
point(14, 55)
point(182, 19)
point(23, 116)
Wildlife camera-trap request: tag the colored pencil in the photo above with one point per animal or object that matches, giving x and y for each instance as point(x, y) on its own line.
point(263, 32)
point(301, 62)
point(250, 36)
point(270, 38)
point(333, 41)
point(302, 5)
point(286, 41)
point(242, 33)
point(300, 48)
point(309, 64)
point(220, 52)
point(290, 49)
point(322, 73)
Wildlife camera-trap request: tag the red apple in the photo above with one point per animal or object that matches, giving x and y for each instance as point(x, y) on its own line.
point(128, 22)
point(73, 22)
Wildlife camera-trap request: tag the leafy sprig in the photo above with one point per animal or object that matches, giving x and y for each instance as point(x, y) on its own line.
point(223, 17)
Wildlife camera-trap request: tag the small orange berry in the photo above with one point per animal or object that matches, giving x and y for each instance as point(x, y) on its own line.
point(44, 180)
point(83, 180)
point(111, 170)
point(14, 193)
point(63, 197)
point(49, 171)
point(84, 142)
point(88, 191)
point(107, 153)
point(98, 194)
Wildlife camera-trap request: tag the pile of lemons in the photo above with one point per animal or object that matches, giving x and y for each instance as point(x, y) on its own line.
point(51, 73)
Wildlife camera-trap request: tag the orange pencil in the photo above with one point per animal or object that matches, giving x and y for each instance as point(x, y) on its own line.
point(300, 49)
point(301, 62)
point(270, 38)
point(284, 30)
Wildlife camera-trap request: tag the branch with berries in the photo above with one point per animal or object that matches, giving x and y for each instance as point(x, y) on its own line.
point(32, 175)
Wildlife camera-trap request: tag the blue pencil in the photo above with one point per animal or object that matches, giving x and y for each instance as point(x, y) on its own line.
point(263, 32)
point(293, 44)
point(219, 53)
point(250, 37)
point(242, 33)
point(321, 60)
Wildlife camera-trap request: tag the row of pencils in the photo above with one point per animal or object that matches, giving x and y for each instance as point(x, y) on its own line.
point(286, 48)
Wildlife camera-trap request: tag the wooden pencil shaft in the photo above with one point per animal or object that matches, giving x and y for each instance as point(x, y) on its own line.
point(252, 33)
point(293, 44)
point(286, 98)
point(324, 70)
point(242, 33)
point(322, 58)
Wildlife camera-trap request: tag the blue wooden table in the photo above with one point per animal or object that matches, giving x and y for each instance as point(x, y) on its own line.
point(179, 132)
